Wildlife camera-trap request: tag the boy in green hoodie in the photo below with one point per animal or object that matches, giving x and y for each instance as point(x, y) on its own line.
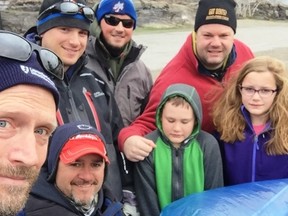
point(186, 159)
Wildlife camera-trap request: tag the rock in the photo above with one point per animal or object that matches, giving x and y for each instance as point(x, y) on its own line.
point(20, 15)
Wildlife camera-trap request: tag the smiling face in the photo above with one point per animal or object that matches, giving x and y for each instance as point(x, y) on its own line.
point(68, 43)
point(116, 36)
point(214, 43)
point(26, 123)
point(81, 180)
point(259, 106)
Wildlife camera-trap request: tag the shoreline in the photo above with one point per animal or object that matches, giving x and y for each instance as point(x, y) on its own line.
point(263, 37)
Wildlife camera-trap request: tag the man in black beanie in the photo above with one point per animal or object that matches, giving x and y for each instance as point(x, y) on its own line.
point(28, 105)
point(218, 12)
point(207, 60)
point(63, 27)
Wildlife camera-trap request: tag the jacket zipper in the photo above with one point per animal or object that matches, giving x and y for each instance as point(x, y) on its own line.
point(177, 171)
point(89, 100)
point(73, 106)
point(255, 148)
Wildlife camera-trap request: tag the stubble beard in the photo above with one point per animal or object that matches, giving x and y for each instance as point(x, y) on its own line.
point(14, 197)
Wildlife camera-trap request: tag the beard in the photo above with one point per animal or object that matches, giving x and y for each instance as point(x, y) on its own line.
point(14, 197)
point(84, 201)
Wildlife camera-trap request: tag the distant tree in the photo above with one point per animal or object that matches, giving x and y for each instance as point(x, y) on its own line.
point(247, 8)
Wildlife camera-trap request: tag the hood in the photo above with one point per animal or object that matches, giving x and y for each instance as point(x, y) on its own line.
point(60, 137)
point(32, 35)
point(42, 189)
point(190, 94)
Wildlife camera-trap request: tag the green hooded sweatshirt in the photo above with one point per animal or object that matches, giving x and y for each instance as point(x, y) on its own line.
point(170, 173)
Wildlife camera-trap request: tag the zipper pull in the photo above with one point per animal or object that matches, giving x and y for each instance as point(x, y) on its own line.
point(128, 92)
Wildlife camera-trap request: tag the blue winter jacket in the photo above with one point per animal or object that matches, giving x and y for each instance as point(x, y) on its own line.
point(247, 160)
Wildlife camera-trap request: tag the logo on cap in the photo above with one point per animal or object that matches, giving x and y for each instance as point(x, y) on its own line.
point(217, 13)
point(70, 1)
point(39, 74)
point(118, 6)
point(84, 127)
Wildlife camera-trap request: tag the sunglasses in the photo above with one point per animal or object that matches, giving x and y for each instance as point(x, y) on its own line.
point(114, 21)
point(69, 8)
point(16, 47)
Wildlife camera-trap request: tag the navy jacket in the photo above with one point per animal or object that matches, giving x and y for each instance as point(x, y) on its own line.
point(46, 200)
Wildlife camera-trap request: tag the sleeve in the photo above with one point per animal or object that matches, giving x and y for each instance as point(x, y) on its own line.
point(147, 85)
point(145, 123)
point(145, 187)
point(212, 162)
point(115, 117)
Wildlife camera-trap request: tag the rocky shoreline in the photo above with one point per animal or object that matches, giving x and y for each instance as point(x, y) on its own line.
point(19, 15)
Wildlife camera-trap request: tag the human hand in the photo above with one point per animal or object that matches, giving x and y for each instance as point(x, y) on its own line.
point(136, 148)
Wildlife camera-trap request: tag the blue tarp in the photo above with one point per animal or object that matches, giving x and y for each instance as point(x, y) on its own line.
point(267, 198)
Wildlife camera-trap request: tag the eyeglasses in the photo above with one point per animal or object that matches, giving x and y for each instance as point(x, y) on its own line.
point(69, 8)
point(15, 47)
point(114, 21)
point(264, 93)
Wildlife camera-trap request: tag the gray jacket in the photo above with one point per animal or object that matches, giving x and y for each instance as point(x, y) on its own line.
point(132, 85)
point(170, 173)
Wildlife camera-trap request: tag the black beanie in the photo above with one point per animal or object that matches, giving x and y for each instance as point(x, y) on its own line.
point(216, 12)
point(56, 19)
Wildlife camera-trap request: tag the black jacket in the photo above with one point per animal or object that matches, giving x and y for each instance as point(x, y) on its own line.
point(85, 96)
point(46, 200)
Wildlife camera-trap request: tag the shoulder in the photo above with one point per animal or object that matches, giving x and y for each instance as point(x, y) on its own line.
point(207, 140)
point(90, 50)
point(153, 135)
point(134, 58)
point(89, 72)
point(45, 207)
point(240, 46)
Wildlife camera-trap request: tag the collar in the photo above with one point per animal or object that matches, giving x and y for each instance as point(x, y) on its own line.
point(77, 66)
point(219, 72)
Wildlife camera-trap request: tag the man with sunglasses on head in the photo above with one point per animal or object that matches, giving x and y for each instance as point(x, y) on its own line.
point(115, 57)
point(27, 120)
point(63, 27)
